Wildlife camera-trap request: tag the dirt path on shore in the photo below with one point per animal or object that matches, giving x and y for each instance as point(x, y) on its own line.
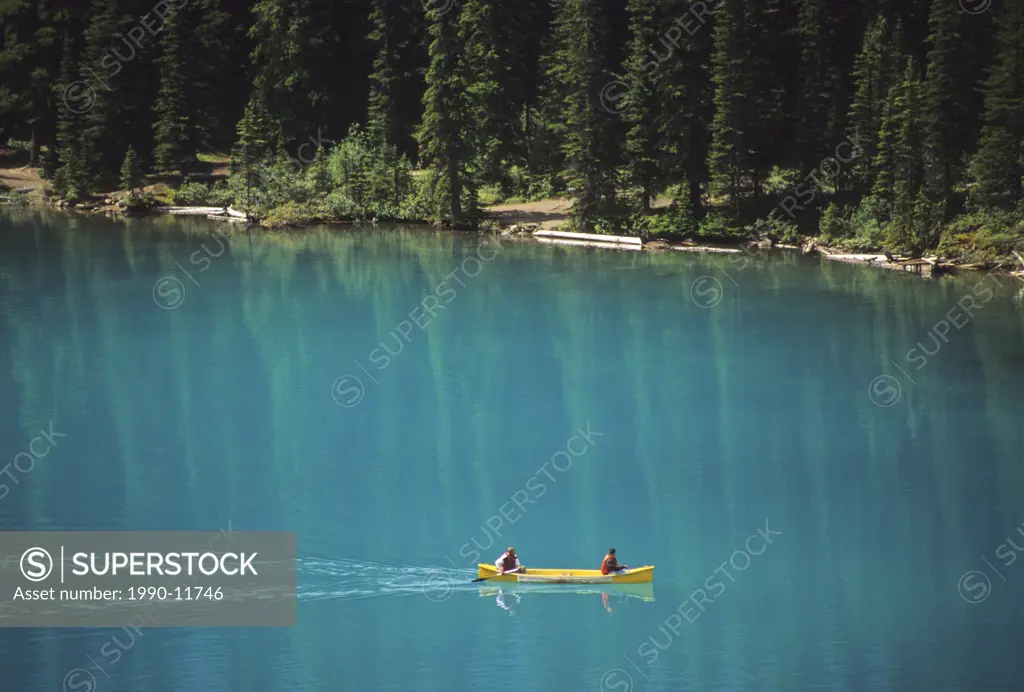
point(18, 178)
point(21, 178)
point(549, 213)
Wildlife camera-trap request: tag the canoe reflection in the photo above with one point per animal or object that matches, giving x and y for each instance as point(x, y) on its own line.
point(508, 598)
point(508, 602)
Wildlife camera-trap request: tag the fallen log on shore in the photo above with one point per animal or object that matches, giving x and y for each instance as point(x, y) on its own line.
point(590, 237)
point(192, 211)
point(589, 243)
point(706, 249)
point(215, 213)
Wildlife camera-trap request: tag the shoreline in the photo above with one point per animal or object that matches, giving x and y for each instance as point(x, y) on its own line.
point(925, 267)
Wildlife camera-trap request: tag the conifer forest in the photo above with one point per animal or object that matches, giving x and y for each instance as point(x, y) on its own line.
point(868, 124)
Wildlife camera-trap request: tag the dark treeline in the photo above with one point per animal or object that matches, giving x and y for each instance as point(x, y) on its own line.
point(868, 122)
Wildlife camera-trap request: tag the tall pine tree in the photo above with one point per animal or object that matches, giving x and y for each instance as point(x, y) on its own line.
point(298, 48)
point(730, 159)
point(447, 117)
point(686, 91)
point(481, 60)
point(175, 126)
point(131, 173)
point(395, 92)
point(944, 101)
point(578, 76)
point(101, 69)
point(251, 150)
point(763, 114)
point(72, 179)
point(643, 110)
point(30, 57)
point(876, 71)
point(899, 182)
point(815, 135)
point(997, 168)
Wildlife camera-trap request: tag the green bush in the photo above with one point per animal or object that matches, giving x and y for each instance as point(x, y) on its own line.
point(984, 236)
point(775, 229)
point(834, 225)
point(419, 205)
point(193, 194)
point(373, 179)
point(291, 214)
point(140, 201)
point(341, 207)
point(678, 220)
point(611, 224)
point(866, 228)
point(356, 179)
point(716, 225)
point(276, 181)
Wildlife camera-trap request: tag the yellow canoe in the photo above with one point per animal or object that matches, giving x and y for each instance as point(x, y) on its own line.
point(531, 575)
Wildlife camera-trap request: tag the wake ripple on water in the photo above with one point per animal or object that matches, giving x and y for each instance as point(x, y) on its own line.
point(326, 579)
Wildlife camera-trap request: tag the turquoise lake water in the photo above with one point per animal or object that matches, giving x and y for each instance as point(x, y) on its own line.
point(823, 461)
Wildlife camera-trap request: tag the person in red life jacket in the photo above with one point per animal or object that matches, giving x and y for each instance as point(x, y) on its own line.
point(610, 564)
point(509, 562)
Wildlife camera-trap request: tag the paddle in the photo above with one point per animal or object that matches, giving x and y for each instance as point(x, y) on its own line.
point(511, 571)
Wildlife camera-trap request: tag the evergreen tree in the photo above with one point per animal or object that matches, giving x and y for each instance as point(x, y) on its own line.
point(523, 27)
point(876, 71)
point(748, 115)
point(546, 158)
point(997, 168)
point(815, 118)
point(252, 149)
point(578, 69)
point(701, 108)
point(174, 127)
point(447, 115)
point(643, 108)
point(885, 163)
point(299, 46)
point(30, 56)
point(216, 54)
point(381, 116)
point(729, 158)
point(395, 94)
point(484, 75)
point(762, 115)
point(72, 179)
point(900, 162)
point(944, 100)
point(686, 94)
point(102, 73)
point(131, 172)
point(15, 48)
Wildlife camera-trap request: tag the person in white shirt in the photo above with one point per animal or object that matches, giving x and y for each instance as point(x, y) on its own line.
point(508, 562)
